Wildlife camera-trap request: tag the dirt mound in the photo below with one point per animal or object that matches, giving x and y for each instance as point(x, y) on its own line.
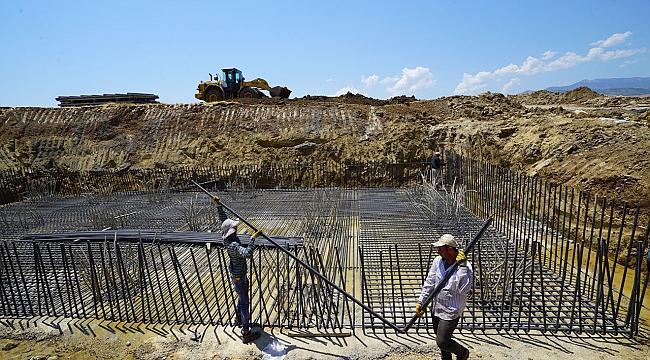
point(581, 96)
point(402, 99)
point(578, 96)
point(348, 98)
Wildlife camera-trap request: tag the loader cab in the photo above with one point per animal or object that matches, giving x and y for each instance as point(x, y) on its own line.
point(232, 79)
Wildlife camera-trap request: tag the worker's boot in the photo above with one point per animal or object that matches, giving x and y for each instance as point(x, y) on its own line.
point(250, 336)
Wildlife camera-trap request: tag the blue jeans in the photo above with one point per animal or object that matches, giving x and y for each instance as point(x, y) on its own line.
point(243, 303)
point(443, 330)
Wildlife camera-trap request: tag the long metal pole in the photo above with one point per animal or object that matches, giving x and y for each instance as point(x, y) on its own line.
point(322, 277)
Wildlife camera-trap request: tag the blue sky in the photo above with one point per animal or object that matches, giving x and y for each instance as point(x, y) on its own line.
point(381, 49)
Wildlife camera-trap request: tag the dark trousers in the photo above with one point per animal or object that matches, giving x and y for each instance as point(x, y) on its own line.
point(243, 303)
point(443, 330)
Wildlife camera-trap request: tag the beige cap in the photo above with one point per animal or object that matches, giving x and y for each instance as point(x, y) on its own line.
point(446, 239)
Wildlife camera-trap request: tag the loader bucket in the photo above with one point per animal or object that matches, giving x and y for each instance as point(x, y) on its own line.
point(280, 91)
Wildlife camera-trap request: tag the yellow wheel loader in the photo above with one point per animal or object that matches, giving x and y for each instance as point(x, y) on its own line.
point(232, 85)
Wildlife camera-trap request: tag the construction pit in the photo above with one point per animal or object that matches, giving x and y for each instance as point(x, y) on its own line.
point(352, 261)
point(111, 272)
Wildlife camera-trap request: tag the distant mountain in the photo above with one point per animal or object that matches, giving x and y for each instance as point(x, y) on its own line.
point(636, 86)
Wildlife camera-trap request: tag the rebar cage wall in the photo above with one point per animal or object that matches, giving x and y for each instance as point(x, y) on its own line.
point(558, 260)
point(18, 185)
point(163, 283)
point(594, 245)
point(172, 277)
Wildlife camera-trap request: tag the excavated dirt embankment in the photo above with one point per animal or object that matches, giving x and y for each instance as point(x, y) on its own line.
point(603, 146)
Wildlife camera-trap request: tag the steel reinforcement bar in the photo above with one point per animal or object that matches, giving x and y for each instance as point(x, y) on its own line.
point(593, 244)
point(558, 260)
point(19, 185)
point(156, 282)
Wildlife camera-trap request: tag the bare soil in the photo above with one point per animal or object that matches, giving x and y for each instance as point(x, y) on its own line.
point(102, 340)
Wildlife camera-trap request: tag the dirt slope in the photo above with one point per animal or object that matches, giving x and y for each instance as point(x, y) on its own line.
point(579, 138)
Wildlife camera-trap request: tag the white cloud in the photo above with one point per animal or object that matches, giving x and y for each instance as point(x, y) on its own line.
point(597, 54)
point(631, 62)
point(529, 67)
point(568, 60)
point(328, 80)
point(549, 54)
point(625, 53)
point(511, 83)
point(345, 90)
point(412, 81)
point(612, 40)
point(389, 79)
point(470, 83)
point(369, 81)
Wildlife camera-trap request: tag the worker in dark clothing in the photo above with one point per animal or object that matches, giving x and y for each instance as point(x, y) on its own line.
point(436, 170)
point(238, 267)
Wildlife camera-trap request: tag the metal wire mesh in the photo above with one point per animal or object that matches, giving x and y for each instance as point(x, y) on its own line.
point(535, 270)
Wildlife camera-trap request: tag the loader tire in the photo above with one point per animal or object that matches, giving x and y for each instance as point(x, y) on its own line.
point(249, 93)
point(213, 95)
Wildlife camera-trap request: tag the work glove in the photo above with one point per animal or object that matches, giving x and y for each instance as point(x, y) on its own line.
point(255, 236)
point(215, 200)
point(461, 258)
point(418, 310)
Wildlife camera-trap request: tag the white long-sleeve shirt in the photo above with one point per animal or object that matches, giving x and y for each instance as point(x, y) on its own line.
point(451, 300)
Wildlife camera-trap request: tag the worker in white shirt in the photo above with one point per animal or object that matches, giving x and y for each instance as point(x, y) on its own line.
point(449, 303)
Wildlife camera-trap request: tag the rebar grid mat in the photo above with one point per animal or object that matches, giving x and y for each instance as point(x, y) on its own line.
point(511, 291)
point(373, 243)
